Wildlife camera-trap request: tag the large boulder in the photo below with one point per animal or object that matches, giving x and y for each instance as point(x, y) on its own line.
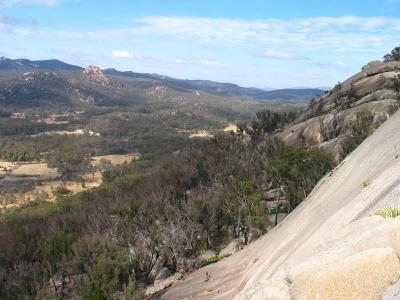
point(96, 74)
point(254, 234)
point(188, 265)
point(272, 195)
point(160, 262)
point(363, 275)
point(231, 248)
point(161, 285)
point(361, 259)
point(207, 255)
point(393, 292)
point(372, 64)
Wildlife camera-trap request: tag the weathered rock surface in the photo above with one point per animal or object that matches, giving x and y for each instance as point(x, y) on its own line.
point(332, 115)
point(392, 292)
point(96, 74)
point(275, 288)
point(363, 275)
point(272, 194)
point(231, 248)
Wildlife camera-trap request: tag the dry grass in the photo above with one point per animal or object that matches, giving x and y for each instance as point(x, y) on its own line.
point(27, 169)
point(44, 190)
point(39, 169)
point(388, 212)
point(47, 187)
point(116, 159)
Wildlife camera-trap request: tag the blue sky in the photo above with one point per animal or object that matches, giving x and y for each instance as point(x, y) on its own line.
point(252, 43)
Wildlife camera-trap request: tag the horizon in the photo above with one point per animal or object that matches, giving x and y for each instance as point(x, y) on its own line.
point(262, 44)
point(196, 79)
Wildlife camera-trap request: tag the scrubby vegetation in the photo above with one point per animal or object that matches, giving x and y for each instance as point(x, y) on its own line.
point(268, 121)
point(361, 128)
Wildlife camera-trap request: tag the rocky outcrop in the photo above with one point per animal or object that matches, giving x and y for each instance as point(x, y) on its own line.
point(360, 262)
point(97, 75)
point(332, 116)
point(363, 275)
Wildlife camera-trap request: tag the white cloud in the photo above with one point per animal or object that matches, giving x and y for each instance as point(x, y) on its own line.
point(122, 54)
point(333, 64)
point(283, 37)
point(180, 61)
point(323, 44)
point(211, 63)
point(280, 55)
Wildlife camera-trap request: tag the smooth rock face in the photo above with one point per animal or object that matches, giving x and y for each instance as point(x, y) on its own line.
point(363, 254)
point(363, 275)
point(372, 64)
point(233, 247)
point(393, 292)
point(275, 288)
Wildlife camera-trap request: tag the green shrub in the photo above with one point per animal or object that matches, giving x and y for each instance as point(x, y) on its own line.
point(388, 212)
point(366, 183)
point(104, 267)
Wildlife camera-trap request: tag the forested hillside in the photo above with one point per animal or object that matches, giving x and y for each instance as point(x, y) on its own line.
point(109, 242)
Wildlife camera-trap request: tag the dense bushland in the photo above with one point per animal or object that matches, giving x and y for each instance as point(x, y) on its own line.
point(104, 243)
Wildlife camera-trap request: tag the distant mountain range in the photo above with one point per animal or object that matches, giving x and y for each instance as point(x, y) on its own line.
point(25, 65)
point(144, 80)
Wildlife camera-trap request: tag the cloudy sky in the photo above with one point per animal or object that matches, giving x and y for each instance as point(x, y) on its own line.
point(261, 43)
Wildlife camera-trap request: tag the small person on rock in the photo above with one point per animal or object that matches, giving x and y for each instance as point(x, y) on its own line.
point(207, 277)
